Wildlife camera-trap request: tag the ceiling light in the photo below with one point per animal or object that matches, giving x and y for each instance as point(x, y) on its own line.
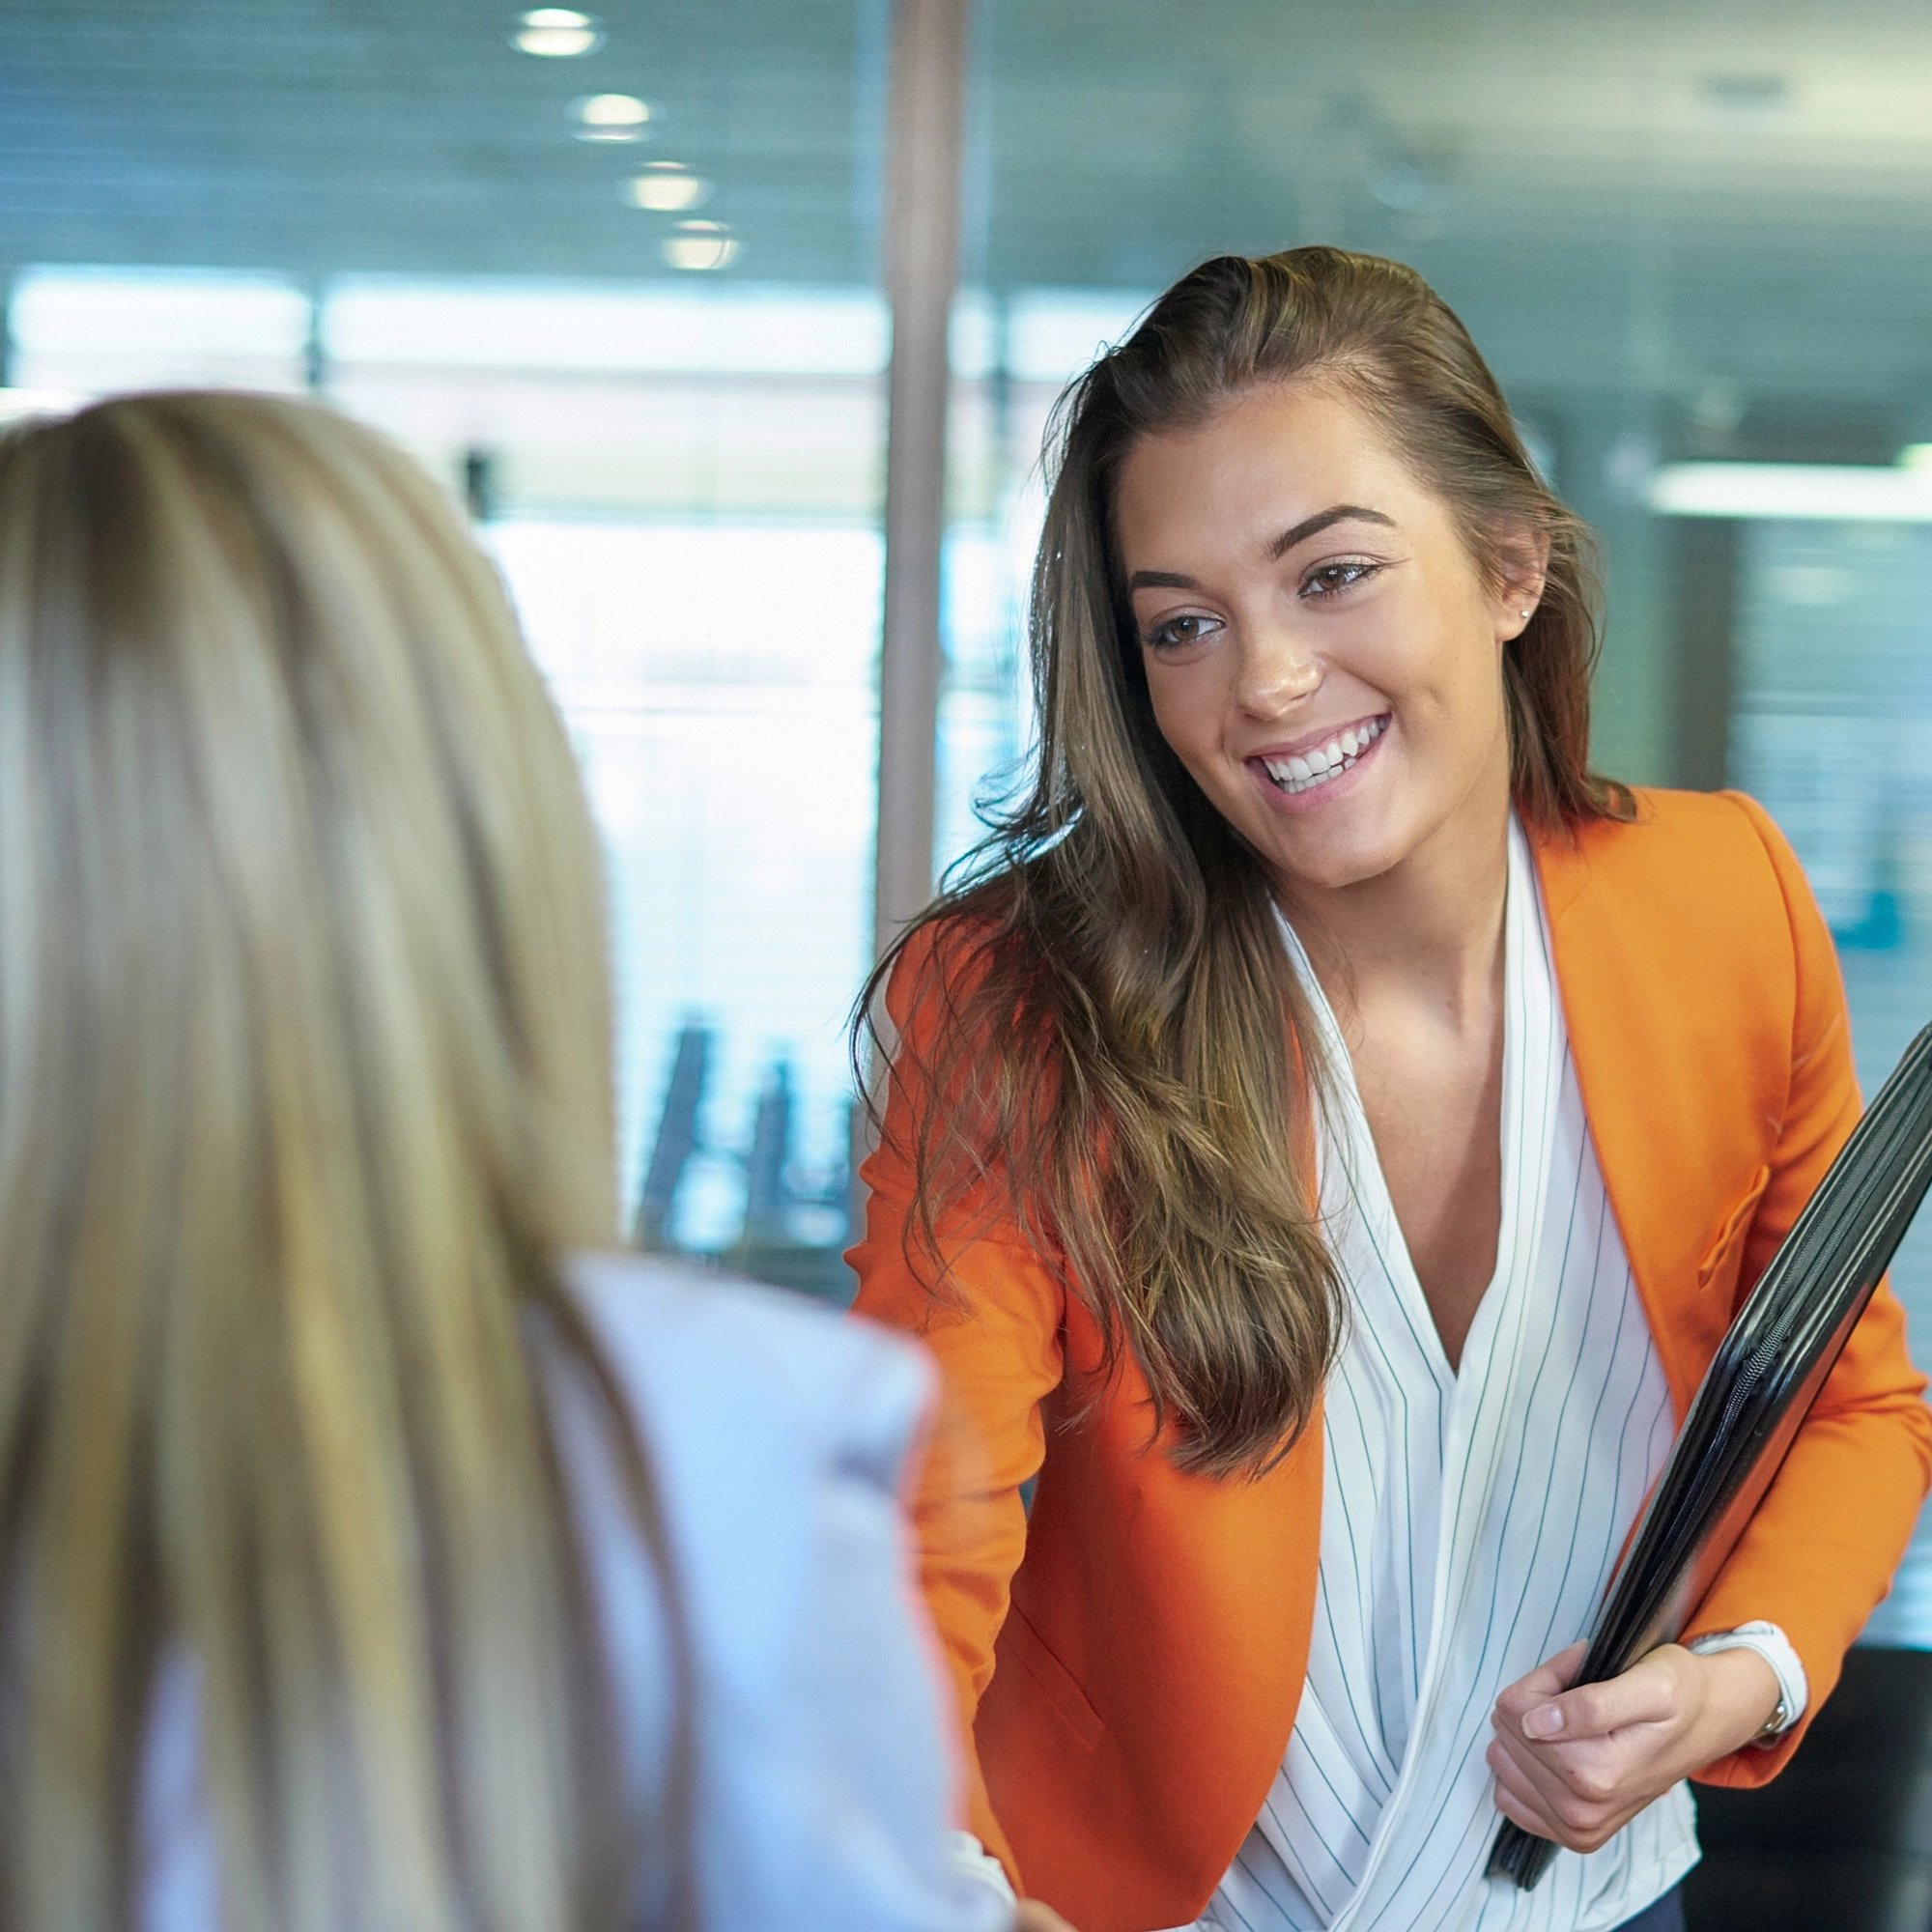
point(1792, 492)
point(701, 244)
point(667, 187)
point(559, 33)
point(610, 117)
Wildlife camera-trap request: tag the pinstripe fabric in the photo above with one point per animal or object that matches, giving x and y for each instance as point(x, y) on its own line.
point(1469, 1520)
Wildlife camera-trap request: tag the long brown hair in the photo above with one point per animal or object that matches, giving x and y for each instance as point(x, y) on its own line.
point(304, 1093)
point(1109, 1037)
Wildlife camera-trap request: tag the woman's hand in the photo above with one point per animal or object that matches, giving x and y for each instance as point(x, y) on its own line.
point(1576, 1765)
point(1034, 1917)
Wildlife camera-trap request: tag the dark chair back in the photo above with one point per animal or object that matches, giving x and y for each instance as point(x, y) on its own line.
point(1841, 1841)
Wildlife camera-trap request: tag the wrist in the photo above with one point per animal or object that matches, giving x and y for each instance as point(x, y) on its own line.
point(1776, 1648)
point(1740, 1697)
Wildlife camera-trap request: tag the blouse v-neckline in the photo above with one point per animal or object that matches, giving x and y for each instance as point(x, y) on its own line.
point(1526, 1116)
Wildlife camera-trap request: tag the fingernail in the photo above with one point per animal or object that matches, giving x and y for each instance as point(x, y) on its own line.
point(1545, 1722)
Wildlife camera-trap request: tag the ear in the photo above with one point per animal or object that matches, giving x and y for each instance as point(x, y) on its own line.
point(1523, 554)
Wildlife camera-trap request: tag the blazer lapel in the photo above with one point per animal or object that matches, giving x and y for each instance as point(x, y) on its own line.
point(1681, 1095)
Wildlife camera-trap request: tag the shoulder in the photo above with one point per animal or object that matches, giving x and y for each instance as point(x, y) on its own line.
point(941, 965)
point(1692, 931)
point(723, 1376)
point(1688, 833)
point(1702, 870)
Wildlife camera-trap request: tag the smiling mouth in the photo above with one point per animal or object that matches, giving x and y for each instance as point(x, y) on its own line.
point(1321, 765)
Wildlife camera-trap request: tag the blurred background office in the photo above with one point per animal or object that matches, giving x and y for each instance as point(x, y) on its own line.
point(639, 284)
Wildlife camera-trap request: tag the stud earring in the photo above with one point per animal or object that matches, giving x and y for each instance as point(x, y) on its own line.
point(1525, 613)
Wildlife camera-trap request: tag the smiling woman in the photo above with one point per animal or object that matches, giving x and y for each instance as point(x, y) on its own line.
point(1318, 629)
point(1327, 1136)
point(1125, 918)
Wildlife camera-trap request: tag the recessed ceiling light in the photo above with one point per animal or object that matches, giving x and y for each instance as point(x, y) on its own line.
point(701, 244)
point(610, 117)
point(559, 33)
point(667, 187)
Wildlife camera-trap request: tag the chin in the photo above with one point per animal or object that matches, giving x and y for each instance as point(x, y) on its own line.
point(1330, 859)
point(1336, 871)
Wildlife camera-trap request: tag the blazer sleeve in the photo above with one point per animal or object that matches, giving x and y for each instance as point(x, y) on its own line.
point(995, 1325)
point(1821, 1550)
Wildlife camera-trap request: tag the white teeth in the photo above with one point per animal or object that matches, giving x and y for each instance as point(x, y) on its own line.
point(1303, 769)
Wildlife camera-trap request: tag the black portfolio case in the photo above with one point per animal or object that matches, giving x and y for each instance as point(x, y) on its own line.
point(1757, 1391)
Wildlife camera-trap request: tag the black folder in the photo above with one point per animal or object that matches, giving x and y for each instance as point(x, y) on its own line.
point(1757, 1391)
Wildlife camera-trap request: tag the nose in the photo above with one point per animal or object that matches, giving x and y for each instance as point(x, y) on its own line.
point(1277, 672)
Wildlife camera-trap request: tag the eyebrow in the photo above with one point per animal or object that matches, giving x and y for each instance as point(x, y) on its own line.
point(1341, 513)
point(1300, 534)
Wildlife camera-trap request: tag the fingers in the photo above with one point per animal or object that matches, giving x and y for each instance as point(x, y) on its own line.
point(1553, 1810)
point(1547, 1680)
point(1576, 1765)
point(1516, 1800)
point(1596, 1710)
point(1575, 1786)
point(1648, 1692)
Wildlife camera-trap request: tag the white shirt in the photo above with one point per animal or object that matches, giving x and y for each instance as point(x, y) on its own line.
point(1469, 1519)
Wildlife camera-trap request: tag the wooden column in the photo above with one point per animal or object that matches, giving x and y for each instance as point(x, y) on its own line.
point(1705, 558)
point(925, 120)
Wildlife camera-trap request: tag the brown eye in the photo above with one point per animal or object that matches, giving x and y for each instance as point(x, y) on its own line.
point(1330, 580)
point(1177, 632)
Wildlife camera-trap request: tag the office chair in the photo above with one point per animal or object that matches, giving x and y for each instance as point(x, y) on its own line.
point(1842, 1840)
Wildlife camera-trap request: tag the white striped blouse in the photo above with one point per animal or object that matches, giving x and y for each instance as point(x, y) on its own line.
point(1469, 1520)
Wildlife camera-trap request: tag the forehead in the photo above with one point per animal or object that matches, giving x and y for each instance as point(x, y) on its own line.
point(1262, 463)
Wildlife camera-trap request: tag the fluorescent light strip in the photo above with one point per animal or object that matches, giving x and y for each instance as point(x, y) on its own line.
point(1792, 492)
point(406, 323)
point(155, 313)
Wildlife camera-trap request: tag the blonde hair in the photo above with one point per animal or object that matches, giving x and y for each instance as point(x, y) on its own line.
point(304, 1092)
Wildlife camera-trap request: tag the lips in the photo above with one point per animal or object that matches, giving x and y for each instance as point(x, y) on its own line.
point(1322, 764)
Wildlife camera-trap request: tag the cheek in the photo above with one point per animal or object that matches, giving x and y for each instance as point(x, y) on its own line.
point(1477, 686)
point(1186, 706)
point(1449, 673)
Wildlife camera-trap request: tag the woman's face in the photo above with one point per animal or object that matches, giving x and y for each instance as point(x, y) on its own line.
point(1323, 654)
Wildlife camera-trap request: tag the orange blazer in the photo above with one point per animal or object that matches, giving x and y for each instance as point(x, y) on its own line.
point(1129, 1660)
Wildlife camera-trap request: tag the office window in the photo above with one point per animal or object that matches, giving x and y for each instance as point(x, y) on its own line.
point(1831, 730)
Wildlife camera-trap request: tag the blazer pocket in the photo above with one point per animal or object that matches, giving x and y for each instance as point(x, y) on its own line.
point(1051, 1678)
point(1720, 1265)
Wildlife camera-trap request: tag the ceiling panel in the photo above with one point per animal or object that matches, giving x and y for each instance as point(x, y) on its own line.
point(321, 136)
point(1667, 197)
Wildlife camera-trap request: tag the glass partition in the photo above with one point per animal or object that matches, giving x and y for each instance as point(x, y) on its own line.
point(681, 485)
point(1831, 729)
point(625, 304)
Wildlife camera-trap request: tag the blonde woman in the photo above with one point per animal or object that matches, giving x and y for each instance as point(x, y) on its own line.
point(372, 1558)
